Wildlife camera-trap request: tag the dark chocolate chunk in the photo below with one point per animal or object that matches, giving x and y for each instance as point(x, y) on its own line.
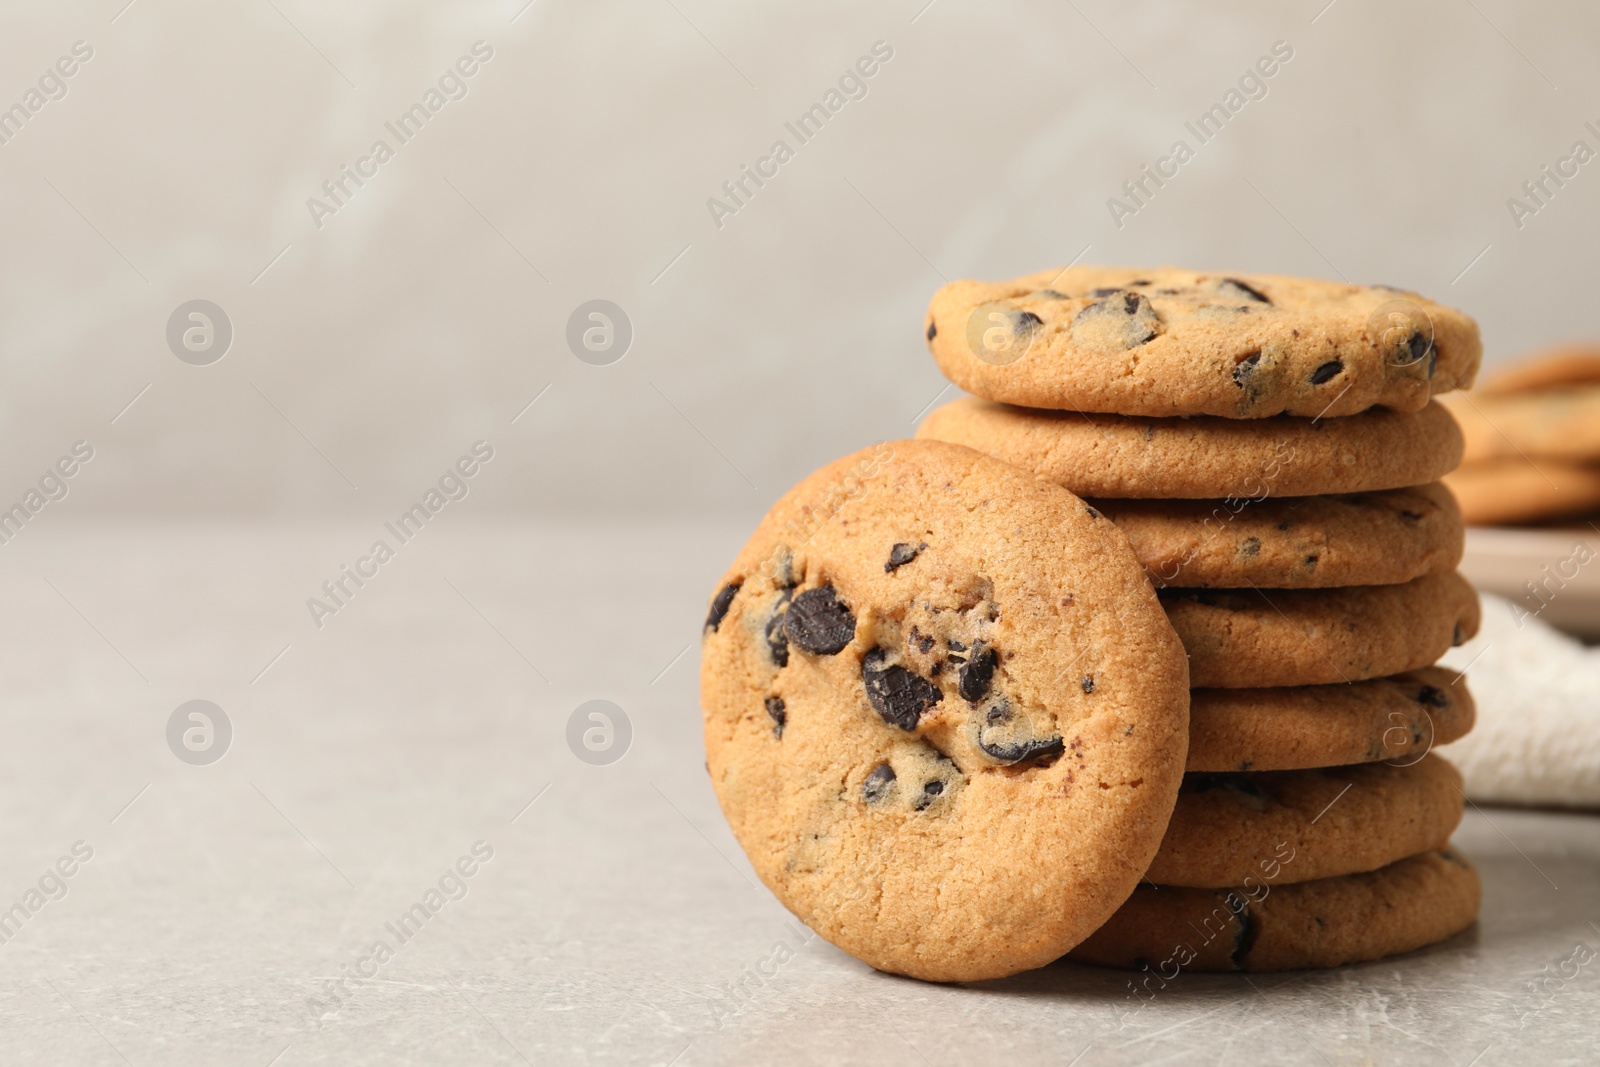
point(1023, 750)
point(879, 784)
point(1433, 697)
point(902, 553)
point(1245, 939)
point(933, 330)
point(1101, 293)
point(777, 640)
point(1311, 561)
point(977, 673)
point(819, 622)
point(1283, 525)
point(1141, 281)
point(1124, 317)
point(1326, 372)
point(930, 793)
point(1008, 738)
point(778, 715)
point(897, 695)
point(1091, 512)
point(1419, 346)
point(1235, 288)
point(1087, 683)
point(953, 645)
point(924, 642)
point(1245, 368)
point(720, 605)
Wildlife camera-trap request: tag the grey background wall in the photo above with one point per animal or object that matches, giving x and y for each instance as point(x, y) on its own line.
point(371, 350)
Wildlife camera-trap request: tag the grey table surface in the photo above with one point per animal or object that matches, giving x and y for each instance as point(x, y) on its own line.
point(229, 912)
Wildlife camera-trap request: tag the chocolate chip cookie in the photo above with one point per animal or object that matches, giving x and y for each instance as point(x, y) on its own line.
point(1382, 538)
point(1208, 458)
point(1505, 491)
point(1247, 638)
point(1293, 826)
point(944, 713)
point(1413, 902)
point(1395, 719)
point(1166, 341)
point(1562, 365)
point(1561, 423)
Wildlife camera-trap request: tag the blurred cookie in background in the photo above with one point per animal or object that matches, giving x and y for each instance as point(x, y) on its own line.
point(1532, 439)
point(1500, 492)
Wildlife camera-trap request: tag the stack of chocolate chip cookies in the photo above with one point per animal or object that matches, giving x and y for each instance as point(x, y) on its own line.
point(1271, 449)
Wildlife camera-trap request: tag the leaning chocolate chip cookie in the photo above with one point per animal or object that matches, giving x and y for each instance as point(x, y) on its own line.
point(1207, 458)
point(1248, 638)
point(1167, 342)
point(1412, 902)
point(1396, 719)
point(1293, 826)
point(1307, 542)
point(944, 713)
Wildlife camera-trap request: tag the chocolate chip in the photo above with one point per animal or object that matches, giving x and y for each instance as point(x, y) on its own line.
point(819, 622)
point(1141, 281)
point(1091, 512)
point(777, 640)
point(1419, 346)
point(879, 784)
point(977, 673)
point(1087, 683)
point(1245, 939)
point(1326, 372)
point(1100, 293)
point(902, 553)
point(1250, 547)
point(933, 330)
point(1120, 320)
point(897, 695)
point(1008, 738)
point(1235, 288)
point(1414, 516)
point(720, 605)
point(1311, 561)
point(924, 642)
point(1053, 294)
point(1245, 368)
point(778, 715)
point(1283, 525)
point(1457, 635)
point(953, 645)
point(1433, 697)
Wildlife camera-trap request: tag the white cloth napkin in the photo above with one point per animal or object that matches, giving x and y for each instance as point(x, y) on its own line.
point(1537, 740)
